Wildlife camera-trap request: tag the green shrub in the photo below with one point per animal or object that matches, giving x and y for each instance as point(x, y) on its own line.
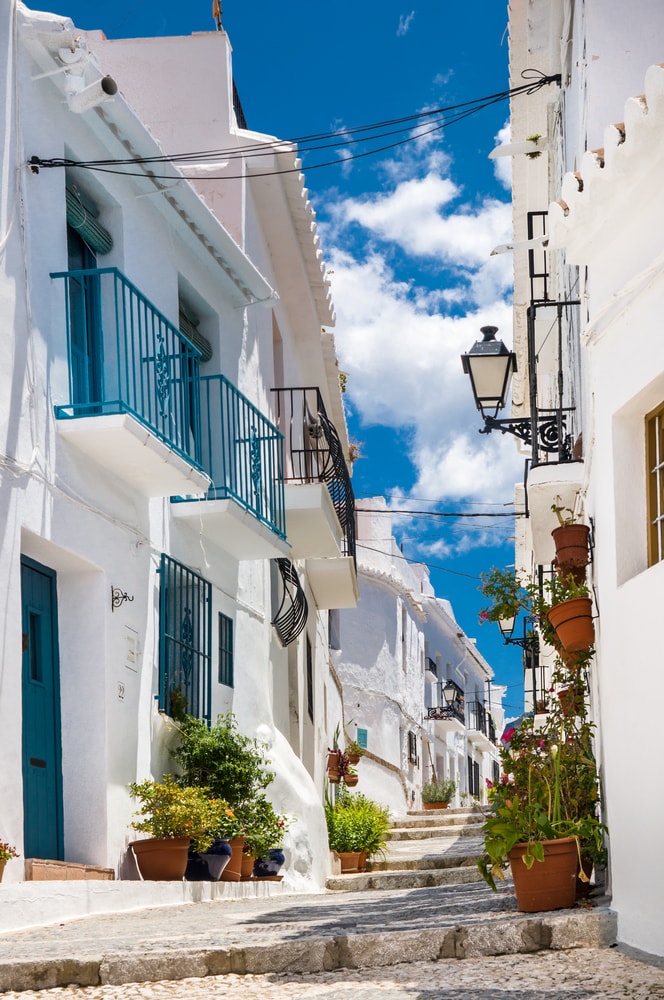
point(356, 823)
point(438, 791)
point(169, 810)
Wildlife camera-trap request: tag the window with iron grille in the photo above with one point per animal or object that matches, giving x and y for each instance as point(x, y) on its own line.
point(412, 748)
point(185, 641)
point(310, 680)
point(225, 650)
point(496, 772)
point(655, 472)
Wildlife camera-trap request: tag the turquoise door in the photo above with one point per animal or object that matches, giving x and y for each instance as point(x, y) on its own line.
point(42, 774)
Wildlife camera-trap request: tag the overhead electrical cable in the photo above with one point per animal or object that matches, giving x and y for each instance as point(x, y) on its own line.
point(339, 139)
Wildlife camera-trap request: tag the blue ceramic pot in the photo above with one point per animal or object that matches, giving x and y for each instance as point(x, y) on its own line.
point(209, 866)
point(264, 867)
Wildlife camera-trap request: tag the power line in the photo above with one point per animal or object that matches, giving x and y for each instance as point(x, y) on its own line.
point(308, 143)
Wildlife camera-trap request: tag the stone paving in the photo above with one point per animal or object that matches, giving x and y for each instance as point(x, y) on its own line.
point(582, 974)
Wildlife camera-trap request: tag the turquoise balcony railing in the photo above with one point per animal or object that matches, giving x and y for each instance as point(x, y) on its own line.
point(126, 357)
point(242, 452)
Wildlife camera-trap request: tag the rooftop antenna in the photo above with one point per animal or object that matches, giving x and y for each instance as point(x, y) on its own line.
point(216, 13)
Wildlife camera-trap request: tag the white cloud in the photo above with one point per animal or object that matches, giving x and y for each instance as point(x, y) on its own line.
point(400, 338)
point(405, 22)
point(502, 165)
point(417, 217)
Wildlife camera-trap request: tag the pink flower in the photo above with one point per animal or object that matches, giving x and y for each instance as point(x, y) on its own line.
point(489, 784)
point(541, 744)
point(508, 734)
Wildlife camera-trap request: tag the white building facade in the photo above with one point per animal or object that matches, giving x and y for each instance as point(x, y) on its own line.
point(587, 306)
point(170, 420)
point(417, 693)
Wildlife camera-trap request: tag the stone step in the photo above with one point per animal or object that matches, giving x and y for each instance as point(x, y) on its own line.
point(388, 880)
point(394, 864)
point(439, 832)
point(436, 818)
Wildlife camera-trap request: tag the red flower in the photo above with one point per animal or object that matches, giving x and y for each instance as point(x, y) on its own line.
point(508, 734)
point(489, 784)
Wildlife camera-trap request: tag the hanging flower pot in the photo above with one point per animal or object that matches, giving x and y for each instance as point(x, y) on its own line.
point(573, 623)
point(548, 884)
point(572, 547)
point(571, 702)
point(351, 779)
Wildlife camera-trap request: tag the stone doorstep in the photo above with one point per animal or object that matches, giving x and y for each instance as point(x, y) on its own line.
point(441, 819)
point(46, 870)
point(519, 934)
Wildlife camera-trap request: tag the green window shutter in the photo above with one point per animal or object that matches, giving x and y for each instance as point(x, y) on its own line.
point(81, 217)
point(188, 324)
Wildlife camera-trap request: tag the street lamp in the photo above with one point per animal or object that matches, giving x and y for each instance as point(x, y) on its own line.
point(450, 692)
point(490, 365)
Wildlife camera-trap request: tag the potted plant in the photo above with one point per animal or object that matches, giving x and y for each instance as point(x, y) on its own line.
point(569, 613)
point(437, 794)
point(209, 865)
point(175, 817)
point(353, 752)
point(571, 540)
point(263, 837)
point(544, 813)
point(7, 852)
point(234, 767)
point(357, 829)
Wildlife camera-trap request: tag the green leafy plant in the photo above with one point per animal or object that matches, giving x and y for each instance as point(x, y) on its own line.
point(357, 823)
point(263, 827)
point(233, 766)
point(565, 515)
point(549, 786)
point(438, 791)
point(7, 851)
point(354, 748)
point(170, 810)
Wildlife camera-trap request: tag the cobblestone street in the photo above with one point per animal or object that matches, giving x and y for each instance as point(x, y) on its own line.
point(605, 974)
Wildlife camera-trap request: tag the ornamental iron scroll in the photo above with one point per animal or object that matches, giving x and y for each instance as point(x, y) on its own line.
point(292, 613)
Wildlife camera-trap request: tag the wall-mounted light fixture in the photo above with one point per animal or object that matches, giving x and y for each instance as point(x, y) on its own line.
point(490, 365)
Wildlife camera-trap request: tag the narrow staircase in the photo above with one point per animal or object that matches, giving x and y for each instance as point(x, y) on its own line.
point(428, 848)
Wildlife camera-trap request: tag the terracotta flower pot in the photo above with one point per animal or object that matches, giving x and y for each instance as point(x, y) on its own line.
point(233, 870)
point(3, 862)
point(573, 623)
point(162, 859)
point(435, 805)
point(548, 884)
point(247, 866)
point(351, 779)
point(350, 861)
point(353, 758)
point(571, 702)
point(572, 549)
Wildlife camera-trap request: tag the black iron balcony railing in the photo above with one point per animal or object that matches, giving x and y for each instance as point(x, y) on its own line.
point(314, 453)
point(477, 717)
point(445, 710)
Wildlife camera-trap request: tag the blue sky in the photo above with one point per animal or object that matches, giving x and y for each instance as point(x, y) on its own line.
point(407, 234)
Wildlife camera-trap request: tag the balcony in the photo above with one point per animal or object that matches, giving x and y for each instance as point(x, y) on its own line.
point(242, 453)
point(320, 504)
point(480, 725)
point(133, 386)
point(448, 714)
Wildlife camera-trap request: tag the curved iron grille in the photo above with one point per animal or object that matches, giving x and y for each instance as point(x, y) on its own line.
point(292, 613)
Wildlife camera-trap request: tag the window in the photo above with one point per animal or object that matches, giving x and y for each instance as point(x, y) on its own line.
point(412, 748)
point(310, 680)
point(362, 736)
point(655, 472)
point(225, 650)
point(185, 641)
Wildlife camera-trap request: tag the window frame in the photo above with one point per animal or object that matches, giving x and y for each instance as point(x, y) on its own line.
point(193, 641)
point(226, 638)
point(654, 435)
